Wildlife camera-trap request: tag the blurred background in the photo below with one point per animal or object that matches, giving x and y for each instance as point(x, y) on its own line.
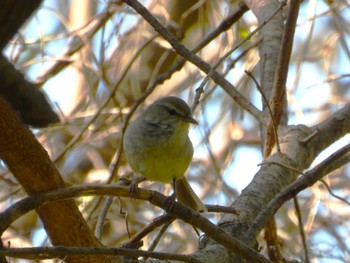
point(97, 61)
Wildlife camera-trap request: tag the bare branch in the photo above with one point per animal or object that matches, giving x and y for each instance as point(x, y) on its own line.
point(43, 253)
point(178, 210)
point(331, 129)
point(310, 177)
point(301, 229)
point(190, 56)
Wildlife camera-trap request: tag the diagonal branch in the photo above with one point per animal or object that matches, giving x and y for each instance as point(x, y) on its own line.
point(299, 146)
point(30, 103)
point(334, 161)
point(79, 40)
point(194, 59)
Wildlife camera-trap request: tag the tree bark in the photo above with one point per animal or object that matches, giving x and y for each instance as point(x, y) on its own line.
point(32, 167)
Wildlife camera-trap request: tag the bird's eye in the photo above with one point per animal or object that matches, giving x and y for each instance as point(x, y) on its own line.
point(172, 111)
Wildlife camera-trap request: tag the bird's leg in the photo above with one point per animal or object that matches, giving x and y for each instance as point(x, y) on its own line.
point(133, 184)
point(170, 200)
point(133, 187)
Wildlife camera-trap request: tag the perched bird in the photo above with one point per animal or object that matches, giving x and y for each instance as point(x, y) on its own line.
point(157, 146)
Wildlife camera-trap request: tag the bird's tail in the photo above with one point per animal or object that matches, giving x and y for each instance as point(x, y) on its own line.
point(187, 196)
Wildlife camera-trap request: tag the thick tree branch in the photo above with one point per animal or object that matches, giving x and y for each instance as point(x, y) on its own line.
point(24, 97)
point(31, 165)
point(272, 176)
point(298, 149)
point(30, 103)
point(331, 129)
point(307, 179)
point(277, 98)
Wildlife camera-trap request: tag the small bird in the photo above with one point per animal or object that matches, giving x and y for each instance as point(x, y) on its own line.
point(157, 146)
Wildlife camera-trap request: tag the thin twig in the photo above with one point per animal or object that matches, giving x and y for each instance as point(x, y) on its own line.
point(333, 194)
point(111, 95)
point(102, 216)
point(268, 107)
point(209, 75)
point(42, 253)
point(159, 236)
point(309, 137)
point(80, 37)
point(301, 229)
point(194, 59)
point(135, 240)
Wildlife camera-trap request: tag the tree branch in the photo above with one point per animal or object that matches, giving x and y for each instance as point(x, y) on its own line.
point(334, 161)
point(194, 59)
point(178, 210)
point(278, 100)
point(30, 103)
point(297, 153)
point(31, 165)
point(42, 253)
point(331, 129)
point(23, 96)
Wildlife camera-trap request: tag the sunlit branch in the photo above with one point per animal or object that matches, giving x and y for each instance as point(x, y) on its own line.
point(309, 178)
point(196, 60)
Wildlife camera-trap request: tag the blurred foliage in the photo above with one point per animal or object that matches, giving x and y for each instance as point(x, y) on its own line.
point(98, 83)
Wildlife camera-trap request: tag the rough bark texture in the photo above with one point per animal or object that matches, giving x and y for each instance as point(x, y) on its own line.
point(32, 167)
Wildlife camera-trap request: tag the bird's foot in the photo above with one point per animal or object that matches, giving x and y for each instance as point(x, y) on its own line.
point(169, 202)
point(134, 185)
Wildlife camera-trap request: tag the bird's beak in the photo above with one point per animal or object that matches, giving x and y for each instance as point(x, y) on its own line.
point(190, 120)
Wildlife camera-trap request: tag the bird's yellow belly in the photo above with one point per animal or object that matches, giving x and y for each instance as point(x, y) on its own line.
point(162, 167)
